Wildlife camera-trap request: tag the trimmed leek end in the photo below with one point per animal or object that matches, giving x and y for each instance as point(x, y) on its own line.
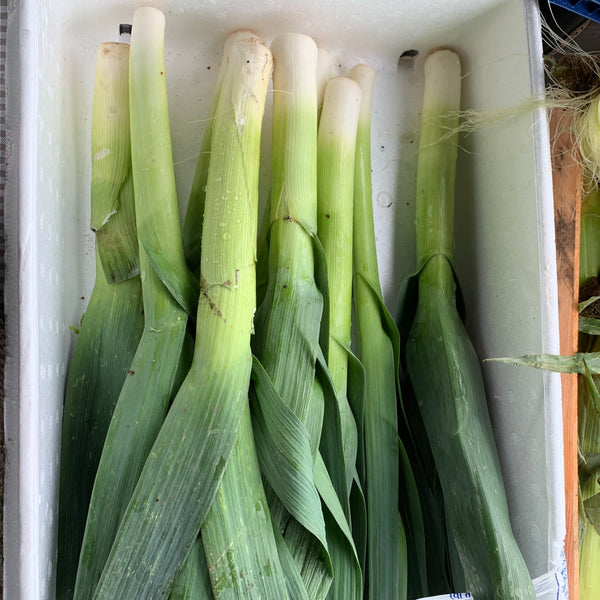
point(295, 84)
point(113, 216)
point(339, 119)
point(364, 75)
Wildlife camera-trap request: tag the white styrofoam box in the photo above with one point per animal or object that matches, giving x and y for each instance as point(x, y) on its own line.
point(504, 218)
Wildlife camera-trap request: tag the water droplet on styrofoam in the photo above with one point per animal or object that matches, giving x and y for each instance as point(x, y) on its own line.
point(384, 199)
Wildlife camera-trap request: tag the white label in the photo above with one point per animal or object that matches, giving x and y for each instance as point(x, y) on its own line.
point(455, 596)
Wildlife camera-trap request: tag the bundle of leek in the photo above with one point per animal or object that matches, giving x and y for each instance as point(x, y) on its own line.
point(289, 317)
point(444, 370)
point(202, 494)
point(194, 478)
point(156, 369)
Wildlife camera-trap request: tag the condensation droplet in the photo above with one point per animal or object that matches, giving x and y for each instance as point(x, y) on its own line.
point(384, 199)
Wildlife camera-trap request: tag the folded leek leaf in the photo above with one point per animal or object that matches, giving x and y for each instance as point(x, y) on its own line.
point(581, 362)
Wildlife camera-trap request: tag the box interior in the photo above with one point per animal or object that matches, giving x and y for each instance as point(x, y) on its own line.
point(504, 226)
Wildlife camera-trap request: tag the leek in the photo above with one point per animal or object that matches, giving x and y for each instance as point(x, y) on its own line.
point(187, 467)
point(335, 160)
point(290, 403)
point(144, 399)
point(237, 533)
point(288, 320)
point(445, 372)
point(110, 330)
point(387, 575)
point(336, 144)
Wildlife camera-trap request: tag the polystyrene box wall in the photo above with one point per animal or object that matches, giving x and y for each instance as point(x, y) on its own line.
point(504, 220)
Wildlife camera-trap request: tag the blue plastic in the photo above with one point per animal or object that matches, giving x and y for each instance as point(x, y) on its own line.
point(590, 9)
